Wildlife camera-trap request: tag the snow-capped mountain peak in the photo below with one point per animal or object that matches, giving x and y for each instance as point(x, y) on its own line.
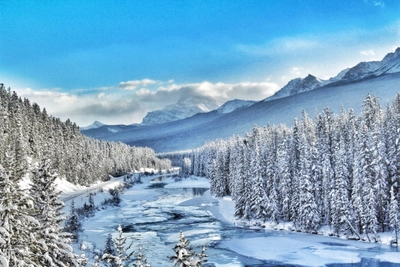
point(302, 94)
point(298, 85)
point(392, 55)
point(234, 105)
point(186, 106)
point(389, 64)
point(94, 125)
point(339, 76)
point(361, 70)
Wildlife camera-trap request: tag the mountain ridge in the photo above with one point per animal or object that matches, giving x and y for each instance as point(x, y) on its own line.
point(183, 108)
point(194, 131)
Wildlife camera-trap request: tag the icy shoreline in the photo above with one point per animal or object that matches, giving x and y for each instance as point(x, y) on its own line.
point(300, 248)
point(280, 246)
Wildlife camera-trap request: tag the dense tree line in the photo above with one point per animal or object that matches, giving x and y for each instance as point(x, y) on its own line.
point(341, 170)
point(31, 141)
point(28, 133)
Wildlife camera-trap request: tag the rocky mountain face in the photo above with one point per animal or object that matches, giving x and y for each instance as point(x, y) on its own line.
point(184, 108)
point(348, 89)
point(233, 105)
point(94, 125)
point(298, 85)
point(389, 64)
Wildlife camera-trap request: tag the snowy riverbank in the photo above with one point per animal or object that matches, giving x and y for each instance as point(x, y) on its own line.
point(138, 209)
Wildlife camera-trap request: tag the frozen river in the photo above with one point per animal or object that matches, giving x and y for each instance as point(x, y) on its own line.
point(153, 214)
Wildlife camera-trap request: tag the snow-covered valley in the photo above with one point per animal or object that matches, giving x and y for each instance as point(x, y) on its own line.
point(154, 212)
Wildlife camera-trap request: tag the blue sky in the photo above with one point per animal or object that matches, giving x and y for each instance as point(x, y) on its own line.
point(116, 60)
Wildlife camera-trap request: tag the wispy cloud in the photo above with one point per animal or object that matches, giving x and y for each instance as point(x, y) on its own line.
point(296, 71)
point(377, 3)
point(132, 85)
point(125, 106)
point(279, 46)
point(368, 53)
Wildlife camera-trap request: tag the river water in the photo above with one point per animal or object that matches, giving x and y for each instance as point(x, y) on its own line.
point(152, 216)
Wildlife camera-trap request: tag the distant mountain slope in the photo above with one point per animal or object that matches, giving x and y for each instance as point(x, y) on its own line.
point(94, 125)
point(197, 130)
point(297, 86)
point(184, 108)
point(389, 64)
point(233, 105)
point(347, 89)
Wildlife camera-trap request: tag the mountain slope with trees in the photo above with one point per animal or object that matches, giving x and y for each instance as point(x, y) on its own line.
point(340, 170)
point(311, 94)
point(31, 231)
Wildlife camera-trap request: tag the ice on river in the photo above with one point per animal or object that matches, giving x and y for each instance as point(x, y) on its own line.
point(153, 217)
point(299, 251)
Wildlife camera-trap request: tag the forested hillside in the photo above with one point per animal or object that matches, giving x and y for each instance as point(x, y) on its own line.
point(340, 170)
point(39, 147)
point(28, 134)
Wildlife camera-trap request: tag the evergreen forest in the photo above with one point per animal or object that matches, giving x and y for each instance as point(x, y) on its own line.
point(37, 147)
point(337, 170)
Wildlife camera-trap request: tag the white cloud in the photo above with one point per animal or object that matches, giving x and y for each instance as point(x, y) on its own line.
point(132, 85)
point(143, 92)
point(296, 71)
point(126, 107)
point(378, 3)
point(368, 53)
point(282, 45)
point(220, 91)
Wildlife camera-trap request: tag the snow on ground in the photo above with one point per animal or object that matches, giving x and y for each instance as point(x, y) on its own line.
point(389, 257)
point(190, 182)
point(280, 246)
point(294, 248)
point(227, 209)
point(306, 250)
point(80, 194)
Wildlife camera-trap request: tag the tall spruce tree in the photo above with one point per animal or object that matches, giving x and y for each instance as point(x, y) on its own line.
point(51, 246)
point(16, 223)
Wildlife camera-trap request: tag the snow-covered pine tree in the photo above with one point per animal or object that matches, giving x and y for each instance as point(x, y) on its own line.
point(340, 204)
point(392, 144)
point(322, 158)
point(220, 183)
point(123, 253)
point(82, 260)
point(381, 179)
point(4, 128)
point(72, 224)
point(359, 176)
point(184, 256)
point(258, 198)
point(141, 260)
point(235, 165)
point(394, 222)
point(295, 168)
point(308, 217)
point(109, 249)
point(183, 253)
point(51, 246)
point(242, 184)
point(394, 155)
point(269, 171)
point(201, 258)
point(16, 223)
point(283, 172)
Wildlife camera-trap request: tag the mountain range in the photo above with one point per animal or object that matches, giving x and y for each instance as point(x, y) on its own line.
point(192, 122)
point(186, 106)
